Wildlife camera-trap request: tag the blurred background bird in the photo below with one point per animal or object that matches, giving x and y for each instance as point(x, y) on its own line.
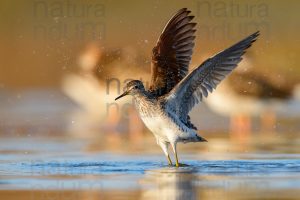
point(250, 93)
point(93, 86)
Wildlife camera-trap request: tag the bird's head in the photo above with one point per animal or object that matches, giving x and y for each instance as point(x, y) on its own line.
point(132, 88)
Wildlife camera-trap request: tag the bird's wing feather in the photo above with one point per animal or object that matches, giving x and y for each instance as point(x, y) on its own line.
point(205, 78)
point(172, 54)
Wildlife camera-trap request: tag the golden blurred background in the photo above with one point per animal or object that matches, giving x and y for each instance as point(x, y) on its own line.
point(41, 39)
point(63, 62)
point(40, 42)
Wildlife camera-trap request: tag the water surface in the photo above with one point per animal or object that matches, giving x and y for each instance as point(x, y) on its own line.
point(51, 168)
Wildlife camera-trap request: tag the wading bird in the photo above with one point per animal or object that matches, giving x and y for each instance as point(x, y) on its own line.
point(165, 106)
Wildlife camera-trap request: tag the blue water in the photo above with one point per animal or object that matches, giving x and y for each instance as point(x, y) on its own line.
point(59, 165)
point(138, 165)
point(129, 169)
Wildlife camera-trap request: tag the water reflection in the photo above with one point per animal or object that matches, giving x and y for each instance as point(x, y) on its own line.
point(170, 183)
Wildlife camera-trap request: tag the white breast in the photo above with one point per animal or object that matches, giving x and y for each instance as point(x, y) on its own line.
point(164, 125)
point(157, 126)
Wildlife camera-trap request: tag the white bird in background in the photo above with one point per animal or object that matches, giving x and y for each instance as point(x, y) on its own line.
point(95, 94)
point(249, 94)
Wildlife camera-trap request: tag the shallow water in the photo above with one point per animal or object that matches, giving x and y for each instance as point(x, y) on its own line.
point(47, 168)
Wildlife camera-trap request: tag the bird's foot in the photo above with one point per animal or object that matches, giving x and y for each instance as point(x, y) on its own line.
point(181, 165)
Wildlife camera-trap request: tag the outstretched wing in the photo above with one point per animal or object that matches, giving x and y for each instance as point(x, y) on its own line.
point(205, 78)
point(172, 53)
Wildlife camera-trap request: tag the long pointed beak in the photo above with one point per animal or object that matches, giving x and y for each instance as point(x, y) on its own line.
point(122, 95)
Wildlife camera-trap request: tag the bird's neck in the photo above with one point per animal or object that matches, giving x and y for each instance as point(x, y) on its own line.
point(143, 97)
point(144, 103)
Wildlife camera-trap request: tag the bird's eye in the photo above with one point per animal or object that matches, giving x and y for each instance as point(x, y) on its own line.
point(135, 87)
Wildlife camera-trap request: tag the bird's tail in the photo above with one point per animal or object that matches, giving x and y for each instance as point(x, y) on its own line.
point(201, 139)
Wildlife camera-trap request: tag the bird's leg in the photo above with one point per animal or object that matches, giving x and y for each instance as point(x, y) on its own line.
point(169, 160)
point(175, 152)
point(177, 163)
point(164, 147)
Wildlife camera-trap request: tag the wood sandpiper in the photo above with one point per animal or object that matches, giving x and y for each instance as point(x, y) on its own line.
point(165, 106)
